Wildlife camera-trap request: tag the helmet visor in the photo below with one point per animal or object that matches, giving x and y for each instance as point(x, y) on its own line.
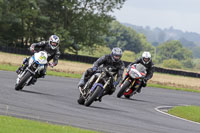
point(146, 59)
point(117, 57)
point(53, 43)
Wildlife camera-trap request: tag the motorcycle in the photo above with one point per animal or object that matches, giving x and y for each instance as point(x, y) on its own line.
point(36, 64)
point(133, 80)
point(97, 85)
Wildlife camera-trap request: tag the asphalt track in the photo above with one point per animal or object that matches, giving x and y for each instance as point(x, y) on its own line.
point(54, 99)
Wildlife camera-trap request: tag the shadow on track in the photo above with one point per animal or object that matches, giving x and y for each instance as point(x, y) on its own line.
point(132, 99)
point(104, 108)
point(138, 100)
point(34, 92)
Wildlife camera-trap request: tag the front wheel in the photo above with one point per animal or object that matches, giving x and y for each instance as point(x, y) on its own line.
point(93, 96)
point(22, 81)
point(125, 86)
point(81, 100)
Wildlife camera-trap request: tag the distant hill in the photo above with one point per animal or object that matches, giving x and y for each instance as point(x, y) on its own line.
point(158, 35)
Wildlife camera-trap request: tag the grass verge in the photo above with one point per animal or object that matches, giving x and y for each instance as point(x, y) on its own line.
point(8, 67)
point(15, 125)
point(187, 112)
point(172, 88)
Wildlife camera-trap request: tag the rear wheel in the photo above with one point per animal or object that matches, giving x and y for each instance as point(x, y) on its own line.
point(22, 81)
point(93, 96)
point(125, 86)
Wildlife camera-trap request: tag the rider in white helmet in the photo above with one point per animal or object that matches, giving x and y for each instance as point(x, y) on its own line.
point(147, 62)
point(51, 47)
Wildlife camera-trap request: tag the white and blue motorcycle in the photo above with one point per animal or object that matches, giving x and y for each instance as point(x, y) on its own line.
point(36, 64)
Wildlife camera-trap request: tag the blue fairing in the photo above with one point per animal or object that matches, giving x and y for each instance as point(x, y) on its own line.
point(95, 85)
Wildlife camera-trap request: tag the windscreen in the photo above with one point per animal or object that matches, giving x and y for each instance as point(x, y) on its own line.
point(140, 68)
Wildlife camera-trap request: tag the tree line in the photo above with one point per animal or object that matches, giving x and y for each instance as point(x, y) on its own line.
point(80, 24)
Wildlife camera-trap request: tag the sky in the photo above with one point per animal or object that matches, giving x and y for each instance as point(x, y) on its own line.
point(181, 14)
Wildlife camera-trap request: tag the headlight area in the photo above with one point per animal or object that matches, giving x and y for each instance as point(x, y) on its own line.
point(133, 74)
point(33, 66)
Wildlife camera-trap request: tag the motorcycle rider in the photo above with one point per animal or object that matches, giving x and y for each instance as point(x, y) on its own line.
point(147, 62)
point(51, 47)
point(113, 60)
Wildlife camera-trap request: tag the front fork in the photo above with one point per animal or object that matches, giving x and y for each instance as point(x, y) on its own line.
point(133, 82)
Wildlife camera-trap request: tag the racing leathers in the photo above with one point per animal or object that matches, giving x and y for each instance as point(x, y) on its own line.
point(150, 71)
point(52, 54)
point(104, 61)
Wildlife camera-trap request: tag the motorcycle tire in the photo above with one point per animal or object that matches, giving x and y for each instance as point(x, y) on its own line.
point(81, 100)
point(125, 86)
point(22, 82)
point(93, 96)
point(127, 96)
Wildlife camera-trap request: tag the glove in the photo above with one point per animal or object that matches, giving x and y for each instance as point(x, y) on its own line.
point(51, 65)
point(115, 84)
point(32, 48)
point(145, 80)
point(94, 69)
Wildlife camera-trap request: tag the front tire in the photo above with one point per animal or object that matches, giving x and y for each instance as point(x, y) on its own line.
point(81, 100)
point(22, 82)
point(125, 86)
point(127, 96)
point(93, 96)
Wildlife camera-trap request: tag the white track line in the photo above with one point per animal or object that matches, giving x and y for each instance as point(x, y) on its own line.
point(160, 107)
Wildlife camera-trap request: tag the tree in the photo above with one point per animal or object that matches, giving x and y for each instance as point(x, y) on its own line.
point(172, 63)
point(196, 52)
point(126, 38)
point(173, 50)
point(79, 23)
point(83, 22)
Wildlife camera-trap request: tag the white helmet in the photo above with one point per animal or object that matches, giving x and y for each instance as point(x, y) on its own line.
point(116, 54)
point(54, 41)
point(146, 57)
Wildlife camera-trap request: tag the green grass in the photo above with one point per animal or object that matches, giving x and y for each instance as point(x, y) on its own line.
point(172, 88)
point(187, 112)
point(15, 125)
point(7, 67)
point(62, 74)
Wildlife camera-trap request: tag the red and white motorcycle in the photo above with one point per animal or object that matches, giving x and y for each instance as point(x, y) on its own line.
point(132, 81)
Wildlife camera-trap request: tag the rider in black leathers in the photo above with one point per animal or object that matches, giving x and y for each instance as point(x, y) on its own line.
point(113, 60)
point(147, 62)
point(52, 49)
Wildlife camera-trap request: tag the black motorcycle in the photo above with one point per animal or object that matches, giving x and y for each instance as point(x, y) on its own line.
point(96, 87)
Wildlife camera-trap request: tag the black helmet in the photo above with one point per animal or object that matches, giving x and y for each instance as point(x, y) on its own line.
point(116, 54)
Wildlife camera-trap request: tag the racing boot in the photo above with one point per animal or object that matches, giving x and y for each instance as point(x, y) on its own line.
point(139, 89)
point(23, 66)
point(19, 70)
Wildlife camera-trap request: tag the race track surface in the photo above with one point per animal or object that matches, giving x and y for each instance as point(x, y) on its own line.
point(54, 99)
